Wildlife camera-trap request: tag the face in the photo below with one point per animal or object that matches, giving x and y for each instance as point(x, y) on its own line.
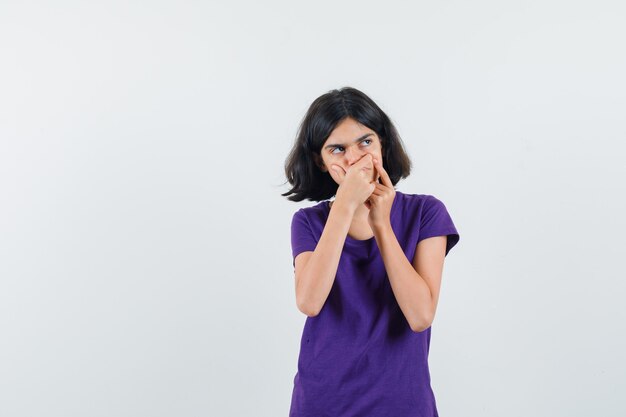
point(347, 143)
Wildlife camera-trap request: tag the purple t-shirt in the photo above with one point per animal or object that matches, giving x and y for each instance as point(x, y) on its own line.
point(359, 356)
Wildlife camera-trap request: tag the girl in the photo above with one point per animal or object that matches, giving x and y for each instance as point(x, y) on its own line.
point(368, 265)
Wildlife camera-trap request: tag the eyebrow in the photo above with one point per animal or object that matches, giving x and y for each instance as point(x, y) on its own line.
point(334, 145)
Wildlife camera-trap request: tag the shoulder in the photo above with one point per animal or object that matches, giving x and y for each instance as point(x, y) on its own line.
point(318, 207)
point(420, 208)
point(312, 213)
point(417, 201)
point(428, 215)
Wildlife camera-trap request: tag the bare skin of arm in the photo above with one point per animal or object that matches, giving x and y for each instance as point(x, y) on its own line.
point(415, 286)
point(315, 270)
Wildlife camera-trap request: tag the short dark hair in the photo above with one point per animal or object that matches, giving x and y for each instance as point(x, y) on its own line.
point(325, 113)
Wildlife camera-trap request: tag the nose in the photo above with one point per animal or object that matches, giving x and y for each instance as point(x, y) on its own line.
point(353, 155)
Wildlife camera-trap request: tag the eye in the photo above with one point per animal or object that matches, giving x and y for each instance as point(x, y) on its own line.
point(369, 142)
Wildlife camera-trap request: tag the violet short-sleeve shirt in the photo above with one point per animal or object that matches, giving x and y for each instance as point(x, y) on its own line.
point(359, 356)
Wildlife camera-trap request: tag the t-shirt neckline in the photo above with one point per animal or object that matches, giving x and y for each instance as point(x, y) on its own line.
point(354, 241)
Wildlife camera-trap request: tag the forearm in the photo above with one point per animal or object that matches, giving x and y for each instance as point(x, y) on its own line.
point(319, 273)
point(409, 288)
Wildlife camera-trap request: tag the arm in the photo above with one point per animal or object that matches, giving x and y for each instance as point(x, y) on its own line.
point(415, 286)
point(315, 270)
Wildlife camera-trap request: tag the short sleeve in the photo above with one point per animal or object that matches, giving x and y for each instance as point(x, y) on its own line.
point(302, 238)
point(436, 221)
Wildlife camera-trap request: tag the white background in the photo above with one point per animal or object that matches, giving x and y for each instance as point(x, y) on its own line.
point(145, 252)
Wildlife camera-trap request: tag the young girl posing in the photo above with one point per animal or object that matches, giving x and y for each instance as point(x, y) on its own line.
point(368, 265)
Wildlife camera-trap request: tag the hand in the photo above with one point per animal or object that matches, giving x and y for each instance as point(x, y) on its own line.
point(381, 199)
point(355, 186)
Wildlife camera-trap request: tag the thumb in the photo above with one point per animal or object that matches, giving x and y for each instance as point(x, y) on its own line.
point(337, 170)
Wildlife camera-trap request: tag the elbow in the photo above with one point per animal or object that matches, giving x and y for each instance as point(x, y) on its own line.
point(419, 329)
point(312, 314)
point(421, 325)
point(304, 303)
point(305, 309)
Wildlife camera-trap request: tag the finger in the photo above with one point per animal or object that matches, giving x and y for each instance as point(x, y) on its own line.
point(339, 170)
point(365, 161)
point(376, 182)
point(383, 174)
point(365, 164)
point(378, 190)
point(377, 175)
